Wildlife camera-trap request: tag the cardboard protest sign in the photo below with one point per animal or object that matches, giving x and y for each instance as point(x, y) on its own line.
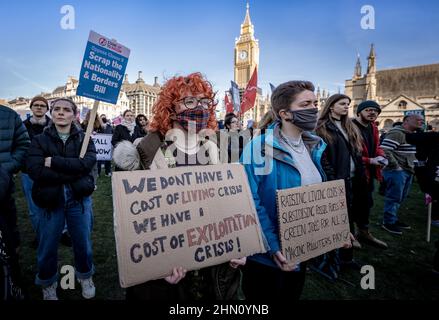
point(313, 220)
point(103, 146)
point(103, 68)
point(191, 217)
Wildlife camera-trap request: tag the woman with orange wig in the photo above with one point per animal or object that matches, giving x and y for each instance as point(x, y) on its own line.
point(184, 111)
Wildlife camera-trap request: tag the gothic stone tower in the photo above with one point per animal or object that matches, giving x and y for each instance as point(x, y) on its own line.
point(362, 87)
point(246, 59)
point(246, 52)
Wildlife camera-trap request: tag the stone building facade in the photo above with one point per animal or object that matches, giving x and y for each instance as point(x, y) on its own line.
point(396, 90)
point(141, 95)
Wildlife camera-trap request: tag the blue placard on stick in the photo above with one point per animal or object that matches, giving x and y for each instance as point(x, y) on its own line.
point(103, 68)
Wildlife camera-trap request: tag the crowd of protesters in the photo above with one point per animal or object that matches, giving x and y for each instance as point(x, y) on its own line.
point(308, 147)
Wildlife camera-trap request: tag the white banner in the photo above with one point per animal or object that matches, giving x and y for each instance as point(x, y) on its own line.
point(103, 146)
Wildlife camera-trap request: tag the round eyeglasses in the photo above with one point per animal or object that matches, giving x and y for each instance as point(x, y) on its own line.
point(193, 102)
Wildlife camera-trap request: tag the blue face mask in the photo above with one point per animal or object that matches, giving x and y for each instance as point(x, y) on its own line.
point(305, 119)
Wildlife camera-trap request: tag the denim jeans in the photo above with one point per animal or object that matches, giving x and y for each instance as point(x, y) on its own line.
point(79, 218)
point(27, 184)
point(398, 183)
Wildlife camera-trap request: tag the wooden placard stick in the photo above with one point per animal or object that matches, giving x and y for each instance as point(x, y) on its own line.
point(89, 130)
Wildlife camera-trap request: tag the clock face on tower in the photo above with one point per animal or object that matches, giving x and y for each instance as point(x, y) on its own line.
point(243, 55)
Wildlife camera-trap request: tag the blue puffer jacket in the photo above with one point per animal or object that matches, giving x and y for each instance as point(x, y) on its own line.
point(270, 167)
point(14, 140)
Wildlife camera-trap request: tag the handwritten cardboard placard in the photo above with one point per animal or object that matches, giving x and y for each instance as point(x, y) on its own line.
point(313, 220)
point(103, 146)
point(191, 217)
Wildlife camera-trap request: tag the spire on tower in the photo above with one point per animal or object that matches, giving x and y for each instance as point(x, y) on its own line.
point(371, 64)
point(247, 20)
point(247, 26)
point(372, 51)
point(357, 73)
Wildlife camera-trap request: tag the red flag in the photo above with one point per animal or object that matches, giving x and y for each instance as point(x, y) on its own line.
point(229, 105)
point(249, 96)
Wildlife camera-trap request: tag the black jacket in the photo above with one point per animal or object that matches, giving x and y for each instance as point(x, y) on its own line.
point(106, 129)
point(122, 133)
point(139, 132)
point(337, 156)
point(427, 154)
point(66, 167)
point(336, 162)
point(14, 140)
point(35, 129)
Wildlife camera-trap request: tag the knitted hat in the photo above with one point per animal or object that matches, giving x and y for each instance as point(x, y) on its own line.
point(368, 104)
point(39, 98)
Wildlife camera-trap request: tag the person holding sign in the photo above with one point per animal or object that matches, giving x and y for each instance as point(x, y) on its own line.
point(106, 128)
point(343, 160)
point(286, 156)
point(61, 191)
point(185, 108)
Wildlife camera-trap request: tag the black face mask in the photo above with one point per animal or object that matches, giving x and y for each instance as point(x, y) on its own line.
point(305, 119)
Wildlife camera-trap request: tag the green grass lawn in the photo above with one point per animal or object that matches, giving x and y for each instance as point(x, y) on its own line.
point(401, 272)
